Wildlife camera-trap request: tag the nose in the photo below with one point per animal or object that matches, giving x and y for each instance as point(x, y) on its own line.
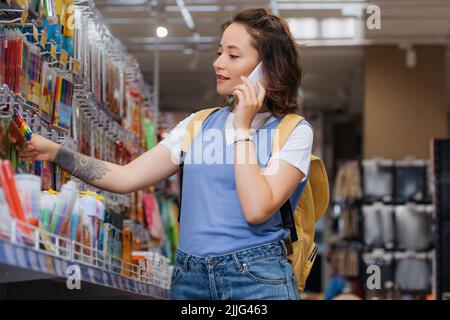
point(218, 63)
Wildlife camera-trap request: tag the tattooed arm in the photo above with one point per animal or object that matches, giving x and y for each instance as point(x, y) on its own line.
point(81, 166)
point(148, 169)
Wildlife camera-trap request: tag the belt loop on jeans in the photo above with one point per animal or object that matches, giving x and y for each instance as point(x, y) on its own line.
point(237, 262)
point(185, 263)
point(285, 250)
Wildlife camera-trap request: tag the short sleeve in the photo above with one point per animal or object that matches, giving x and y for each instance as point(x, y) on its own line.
point(297, 148)
point(173, 140)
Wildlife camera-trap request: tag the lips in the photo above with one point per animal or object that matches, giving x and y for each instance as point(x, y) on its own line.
point(219, 76)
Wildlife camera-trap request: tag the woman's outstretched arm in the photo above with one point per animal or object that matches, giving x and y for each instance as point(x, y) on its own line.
point(146, 170)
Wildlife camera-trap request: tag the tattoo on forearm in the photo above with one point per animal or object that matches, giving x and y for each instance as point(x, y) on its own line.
point(83, 167)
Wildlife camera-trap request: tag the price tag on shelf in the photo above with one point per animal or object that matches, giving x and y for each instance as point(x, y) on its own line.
point(76, 66)
point(53, 50)
point(24, 16)
point(64, 58)
point(35, 33)
point(43, 39)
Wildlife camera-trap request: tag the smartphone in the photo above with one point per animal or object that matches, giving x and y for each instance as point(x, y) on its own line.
point(257, 74)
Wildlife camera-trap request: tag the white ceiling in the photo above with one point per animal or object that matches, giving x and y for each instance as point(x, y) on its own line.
point(333, 67)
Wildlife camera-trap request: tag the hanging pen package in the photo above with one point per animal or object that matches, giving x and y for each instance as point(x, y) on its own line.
point(12, 49)
point(5, 119)
point(62, 108)
point(48, 90)
point(31, 68)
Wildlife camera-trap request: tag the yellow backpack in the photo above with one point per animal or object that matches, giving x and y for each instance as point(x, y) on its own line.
point(312, 205)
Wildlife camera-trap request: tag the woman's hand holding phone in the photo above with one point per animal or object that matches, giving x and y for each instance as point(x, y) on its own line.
point(250, 100)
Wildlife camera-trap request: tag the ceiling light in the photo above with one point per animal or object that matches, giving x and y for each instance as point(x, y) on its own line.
point(304, 28)
point(338, 28)
point(161, 32)
point(186, 14)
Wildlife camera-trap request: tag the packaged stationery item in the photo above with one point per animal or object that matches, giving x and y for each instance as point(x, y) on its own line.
point(150, 134)
point(62, 109)
point(29, 189)
point(63, 209)
point(10, 191)
point(2, 57)
point(12, 51)
point(49, 8)
point(118, 223)
point(93, 211)
point(25, 131)
point(31, 68)
point(53, 32)
point(75, 221)
point(100, 220)
point(96, 71)
point(47, 202)
point(127, 248)
point(57, 176)
point(107, 234)
point(18, 134)
point(65, 11)
point(5, 119)
point(112, 239)
point(5, 217)
point(44, 169)
point(87, 238)
point(48, 87)
point(114, 86)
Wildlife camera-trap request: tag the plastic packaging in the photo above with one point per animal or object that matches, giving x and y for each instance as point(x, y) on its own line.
point(29, 189)
point(10, 190)
point(48, 84)
point(87, 237)
point(47, 204)
point(93, 212)
point(63, 209)
point(100, 220)
point(5, 218)
point(75, 222)
point(5, 119)
point(127, 248)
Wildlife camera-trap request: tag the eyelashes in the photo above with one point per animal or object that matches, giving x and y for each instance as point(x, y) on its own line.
point(232, 56)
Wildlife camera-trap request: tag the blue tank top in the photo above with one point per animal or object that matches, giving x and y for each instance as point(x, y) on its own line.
point(212, 222)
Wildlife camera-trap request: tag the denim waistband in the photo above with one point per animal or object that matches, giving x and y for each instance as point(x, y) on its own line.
point(275, 248)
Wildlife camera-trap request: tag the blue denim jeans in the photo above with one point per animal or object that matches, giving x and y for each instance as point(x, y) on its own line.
point(257, 273)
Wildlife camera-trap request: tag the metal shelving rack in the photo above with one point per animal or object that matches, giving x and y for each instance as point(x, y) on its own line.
point(394, 253)
point(30, 254)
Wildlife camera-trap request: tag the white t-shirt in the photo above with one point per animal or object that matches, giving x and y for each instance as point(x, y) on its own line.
point(296, 150)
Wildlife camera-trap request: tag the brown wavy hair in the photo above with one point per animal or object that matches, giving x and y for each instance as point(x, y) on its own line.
point(278, 51)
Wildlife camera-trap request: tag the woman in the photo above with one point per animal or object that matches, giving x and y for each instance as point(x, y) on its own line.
point(231, 238)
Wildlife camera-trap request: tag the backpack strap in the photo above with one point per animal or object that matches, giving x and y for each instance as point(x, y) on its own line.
point(319, 181)
point(284, 130)
point(192, 130)
point(194, 126)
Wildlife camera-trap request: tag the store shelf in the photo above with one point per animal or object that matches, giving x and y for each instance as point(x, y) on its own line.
point(20, 263)
point(35, 265)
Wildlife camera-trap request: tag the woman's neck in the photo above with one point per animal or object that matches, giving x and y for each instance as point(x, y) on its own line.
point(263, 109)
